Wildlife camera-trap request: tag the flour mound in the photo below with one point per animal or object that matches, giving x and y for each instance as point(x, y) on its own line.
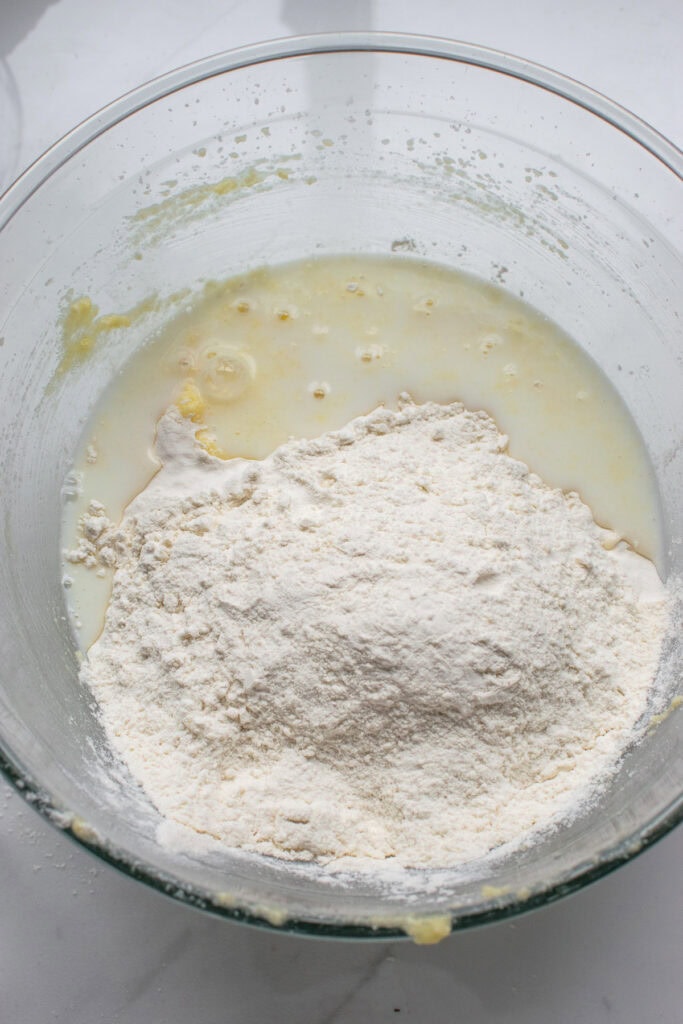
point(391, 642)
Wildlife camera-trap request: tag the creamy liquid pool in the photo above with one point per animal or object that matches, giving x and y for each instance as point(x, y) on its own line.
point(302, 348)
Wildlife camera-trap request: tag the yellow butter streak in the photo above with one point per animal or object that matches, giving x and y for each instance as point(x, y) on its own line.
point(658, 719)
point(83, 327)
point(191, 198)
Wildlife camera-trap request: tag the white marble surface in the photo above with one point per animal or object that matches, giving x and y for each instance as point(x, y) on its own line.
point(80, 944)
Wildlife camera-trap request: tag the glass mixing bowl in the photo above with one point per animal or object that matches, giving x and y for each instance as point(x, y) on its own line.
point(349, 143)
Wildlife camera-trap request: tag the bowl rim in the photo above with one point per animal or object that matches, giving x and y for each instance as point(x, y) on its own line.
point(20, 191)
point(614, 114)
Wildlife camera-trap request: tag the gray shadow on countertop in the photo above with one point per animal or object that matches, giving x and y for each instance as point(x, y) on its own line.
point(304, 16)
point(17, 19)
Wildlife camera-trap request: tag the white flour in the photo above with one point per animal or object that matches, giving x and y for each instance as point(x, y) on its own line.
point(392, 642)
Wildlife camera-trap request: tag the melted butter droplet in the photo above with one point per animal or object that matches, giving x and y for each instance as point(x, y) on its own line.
point(225, 372)
point(319, 389)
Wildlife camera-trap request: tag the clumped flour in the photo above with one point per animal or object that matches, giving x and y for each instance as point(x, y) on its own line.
point(390, 644)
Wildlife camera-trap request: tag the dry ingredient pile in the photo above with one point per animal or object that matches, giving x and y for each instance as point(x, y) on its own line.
point(390, 643)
